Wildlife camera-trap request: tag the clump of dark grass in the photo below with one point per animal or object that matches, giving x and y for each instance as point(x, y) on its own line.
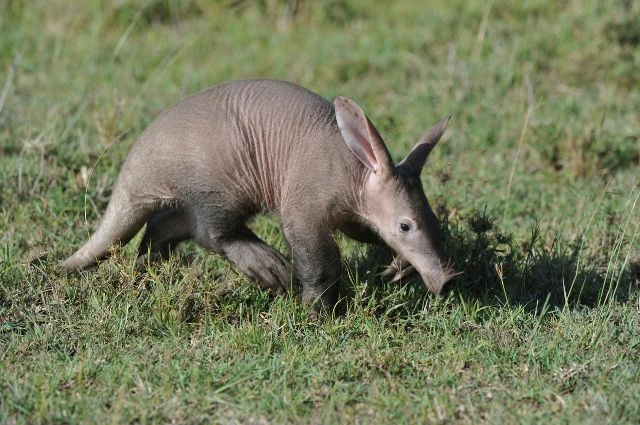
point(496, 268)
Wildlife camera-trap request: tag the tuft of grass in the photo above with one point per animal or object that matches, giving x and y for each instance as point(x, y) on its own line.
point(535, 182)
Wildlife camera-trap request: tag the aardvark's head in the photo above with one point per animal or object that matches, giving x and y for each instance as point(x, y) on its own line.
point(393, 202)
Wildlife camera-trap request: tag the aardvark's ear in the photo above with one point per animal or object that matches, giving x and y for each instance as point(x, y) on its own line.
point(415, 160)
point(361, 136)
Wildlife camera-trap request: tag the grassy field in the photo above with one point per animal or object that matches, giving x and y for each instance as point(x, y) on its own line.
point(536, 182)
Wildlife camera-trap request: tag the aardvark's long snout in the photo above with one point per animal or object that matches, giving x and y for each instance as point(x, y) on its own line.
point(434, 277)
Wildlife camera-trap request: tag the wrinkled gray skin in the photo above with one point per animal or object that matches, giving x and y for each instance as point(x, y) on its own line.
point(205, 166)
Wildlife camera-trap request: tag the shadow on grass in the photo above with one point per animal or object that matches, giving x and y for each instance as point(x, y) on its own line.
point(496, 270)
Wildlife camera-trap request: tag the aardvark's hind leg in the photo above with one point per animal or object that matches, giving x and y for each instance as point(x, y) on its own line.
point(165, 230)
point(253, 257)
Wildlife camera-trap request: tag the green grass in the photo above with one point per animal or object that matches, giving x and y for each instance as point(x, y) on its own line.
point(536, 182)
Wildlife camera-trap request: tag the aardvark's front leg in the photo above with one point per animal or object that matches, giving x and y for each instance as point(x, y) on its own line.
point(317, 263)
